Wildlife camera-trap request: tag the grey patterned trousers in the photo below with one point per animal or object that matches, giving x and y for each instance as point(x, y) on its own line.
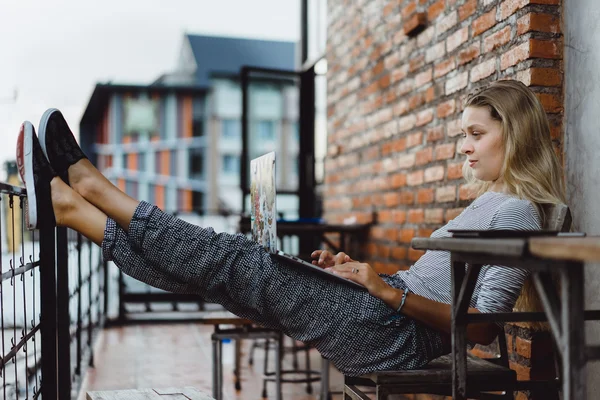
point(356, 331)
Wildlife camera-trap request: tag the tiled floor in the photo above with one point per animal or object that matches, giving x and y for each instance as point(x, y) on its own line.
point(177, 355)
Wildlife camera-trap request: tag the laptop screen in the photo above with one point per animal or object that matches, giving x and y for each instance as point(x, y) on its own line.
point(263, 210)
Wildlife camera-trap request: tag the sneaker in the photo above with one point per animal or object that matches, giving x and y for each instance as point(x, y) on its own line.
point(58, 143)
point(36, 173)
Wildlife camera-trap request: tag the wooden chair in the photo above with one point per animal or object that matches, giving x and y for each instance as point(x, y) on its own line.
point(483, 375)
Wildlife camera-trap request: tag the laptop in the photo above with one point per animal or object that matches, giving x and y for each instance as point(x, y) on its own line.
point(263, 216)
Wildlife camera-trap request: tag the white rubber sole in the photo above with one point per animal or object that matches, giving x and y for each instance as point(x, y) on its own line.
point(42, 128)
point(25, 165)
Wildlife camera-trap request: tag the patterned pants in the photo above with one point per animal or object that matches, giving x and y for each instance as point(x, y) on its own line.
point(356, 331)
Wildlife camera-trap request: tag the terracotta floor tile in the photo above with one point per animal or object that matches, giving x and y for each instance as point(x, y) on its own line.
point(176, 355)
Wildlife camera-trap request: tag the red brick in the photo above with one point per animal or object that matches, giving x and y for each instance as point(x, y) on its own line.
point(433, 174)
point(455, 171)
point(435, 52)
point(453, 213)
point(457, 38)
point(416, 216)
point(467, 9)
point(523, 373)
point(445, 151)
point(399, 216)
point(496, 39)
point(434, 215)
point(508, 7)
point(483, 70)
point(483, 23)
point(378, 68)
point(445, 194)
point(435, 134)
point(514, 56)
point(416, 62)
point(535, 22)
point(443, 67)
point(409, 9)
point(414, 23)
point(423, 77)
point(414, 139)
point(415, 101)
point(523, 347)
point(424, 156)
point(398, 180)
point(468, 54)
point(406, 198)
point(446, 108)
point(424, 117)
point(447, 22)
point(399, 253)
point(430, 94)
point(425, 196)
point(414, 255)
point(414, 178)
point(384, 81)
point(465, 193)
point(391, 199)
point(401, 108)
point(545, 48)
point(457, 82)
point(435, 9)
point(540, 77)
point(552, 102)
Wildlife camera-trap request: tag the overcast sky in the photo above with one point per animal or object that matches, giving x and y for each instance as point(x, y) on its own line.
point(54, 52)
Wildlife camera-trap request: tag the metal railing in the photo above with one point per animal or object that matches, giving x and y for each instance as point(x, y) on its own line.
point(52, 303)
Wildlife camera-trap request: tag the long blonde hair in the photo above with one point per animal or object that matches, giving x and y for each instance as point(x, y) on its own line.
point(531, 169)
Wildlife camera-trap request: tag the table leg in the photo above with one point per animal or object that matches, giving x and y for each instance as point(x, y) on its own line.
point(574, 368)
point(324, 379)
point(278, 356)
point(217, 369)
point(459, 331)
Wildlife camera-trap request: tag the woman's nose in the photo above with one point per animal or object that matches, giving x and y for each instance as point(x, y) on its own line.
point(466, 147)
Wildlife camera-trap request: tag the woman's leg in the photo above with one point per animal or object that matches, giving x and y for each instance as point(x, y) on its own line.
point(86, 180)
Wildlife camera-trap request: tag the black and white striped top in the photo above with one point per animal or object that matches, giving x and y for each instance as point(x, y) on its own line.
point(497, 289)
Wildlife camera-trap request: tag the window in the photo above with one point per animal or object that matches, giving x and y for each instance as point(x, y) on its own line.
point(231, 129)
point(265, 130)
point(198, 128)
point(141, 159)
point(173, 163)
point(198, 202)
point(196, 158)
point(231, 164)
point(157, 162)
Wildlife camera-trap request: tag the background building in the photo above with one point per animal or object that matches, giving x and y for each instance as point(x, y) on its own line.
point(177, 142)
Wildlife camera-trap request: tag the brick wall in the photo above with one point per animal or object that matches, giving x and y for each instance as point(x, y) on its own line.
point(398, 73)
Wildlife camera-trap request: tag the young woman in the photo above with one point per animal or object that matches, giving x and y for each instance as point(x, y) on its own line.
point(401, 322)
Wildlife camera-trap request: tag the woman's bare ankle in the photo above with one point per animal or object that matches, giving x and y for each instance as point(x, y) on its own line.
point(84, 179)
point(63, 201)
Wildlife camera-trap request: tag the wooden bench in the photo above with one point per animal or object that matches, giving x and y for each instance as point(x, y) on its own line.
point(186, 393)
point(483, 375)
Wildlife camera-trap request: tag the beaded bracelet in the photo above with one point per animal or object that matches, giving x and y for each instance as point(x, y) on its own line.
point(406, 291)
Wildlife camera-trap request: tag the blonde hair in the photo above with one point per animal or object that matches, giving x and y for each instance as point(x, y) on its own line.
point(531, 169)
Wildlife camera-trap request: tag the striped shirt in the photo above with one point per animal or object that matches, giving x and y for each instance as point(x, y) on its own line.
point(497, 289)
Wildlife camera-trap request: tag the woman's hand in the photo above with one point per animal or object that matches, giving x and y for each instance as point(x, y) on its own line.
point(363, 274)
point(326, 259)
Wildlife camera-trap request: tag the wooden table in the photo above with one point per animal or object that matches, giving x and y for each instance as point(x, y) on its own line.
point(566, 314)
point(186, 393)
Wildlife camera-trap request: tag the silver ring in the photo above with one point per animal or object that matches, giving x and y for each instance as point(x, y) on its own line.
point(355, 270)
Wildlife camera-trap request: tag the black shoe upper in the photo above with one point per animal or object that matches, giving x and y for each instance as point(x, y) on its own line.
point(61, 147)
point(43, 173)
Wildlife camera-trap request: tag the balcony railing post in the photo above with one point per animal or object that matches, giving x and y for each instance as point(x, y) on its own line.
point(63, 317)
point(48, 313)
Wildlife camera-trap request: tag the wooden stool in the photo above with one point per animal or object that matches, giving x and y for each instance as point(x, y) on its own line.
point(186, 393)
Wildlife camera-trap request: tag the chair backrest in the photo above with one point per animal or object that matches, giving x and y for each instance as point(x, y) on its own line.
point(557, 217)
